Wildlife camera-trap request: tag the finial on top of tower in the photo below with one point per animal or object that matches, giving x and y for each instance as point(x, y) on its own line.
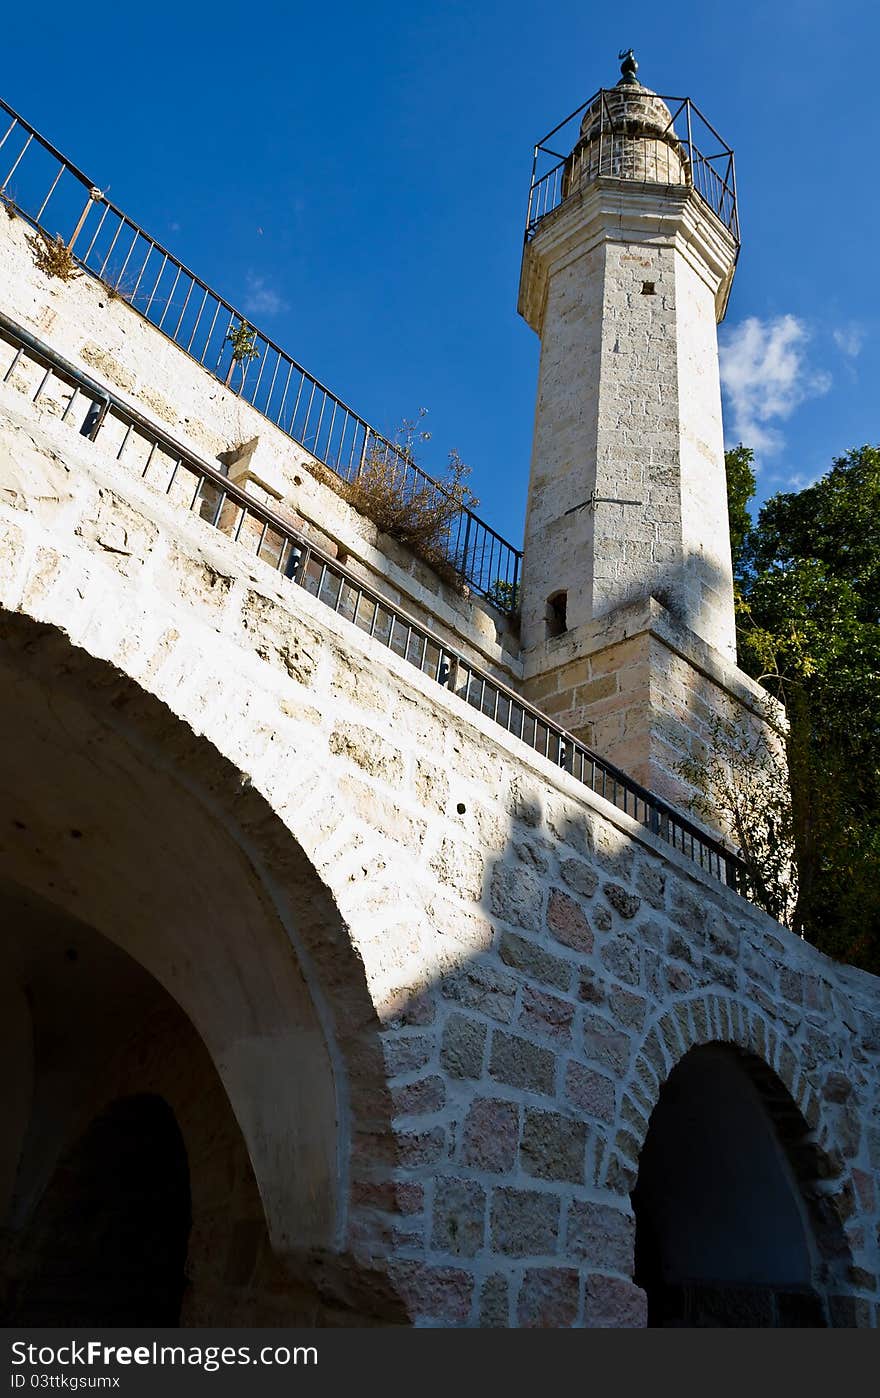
point(629, 67)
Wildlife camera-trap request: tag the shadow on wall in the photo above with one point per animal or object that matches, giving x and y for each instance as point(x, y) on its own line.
point(465, 1153)
point(621, 682)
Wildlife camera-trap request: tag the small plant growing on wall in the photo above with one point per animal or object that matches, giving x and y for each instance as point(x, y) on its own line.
point(53, 256)
point(504, 596)
point(422, 514)
point(243, 340)
point(122, 290)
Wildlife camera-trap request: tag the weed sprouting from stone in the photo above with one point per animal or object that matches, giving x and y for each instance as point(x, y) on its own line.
point(53, 256)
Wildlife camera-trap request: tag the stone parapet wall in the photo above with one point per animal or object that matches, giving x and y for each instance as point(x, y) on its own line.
point(99, 332)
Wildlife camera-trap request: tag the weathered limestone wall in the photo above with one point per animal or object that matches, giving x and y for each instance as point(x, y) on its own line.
point(621, 283)
point(647, 694)
point(703, 497)
point(536, 962)
point(559, 547)
point(118, 347)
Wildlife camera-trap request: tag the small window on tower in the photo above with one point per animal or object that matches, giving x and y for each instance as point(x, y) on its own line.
point(556, 620)
point(648, 289)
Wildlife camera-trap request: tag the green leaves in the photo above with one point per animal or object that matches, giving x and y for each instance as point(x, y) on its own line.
point(808, 627)
point(740, 489)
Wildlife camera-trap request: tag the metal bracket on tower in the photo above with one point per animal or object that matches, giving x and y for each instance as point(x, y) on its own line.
point(593, 500)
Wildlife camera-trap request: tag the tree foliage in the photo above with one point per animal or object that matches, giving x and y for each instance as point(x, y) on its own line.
point(807, 577)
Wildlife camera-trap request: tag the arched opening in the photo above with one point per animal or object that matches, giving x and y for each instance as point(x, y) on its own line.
point(109, 1241)
point(723, 1235)
point(158, 927)
point(132, 1197)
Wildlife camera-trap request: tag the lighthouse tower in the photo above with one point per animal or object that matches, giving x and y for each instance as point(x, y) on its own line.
point(627, 590)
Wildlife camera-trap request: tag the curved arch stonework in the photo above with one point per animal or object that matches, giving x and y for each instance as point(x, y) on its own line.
point(293, 1037)
point(796, 1102)
point(689, 1022)
point(492, 968)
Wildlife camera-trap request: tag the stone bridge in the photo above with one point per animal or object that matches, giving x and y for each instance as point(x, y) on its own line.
point(383, 1016)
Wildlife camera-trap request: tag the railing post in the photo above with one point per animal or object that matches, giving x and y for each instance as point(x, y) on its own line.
point(93, 195)
point(362, 459)
point(690, 142)
point(94, 419)
point(295, 562)
point(464, 552)
point(601, 132)
point(731, 872)
point(514, 599)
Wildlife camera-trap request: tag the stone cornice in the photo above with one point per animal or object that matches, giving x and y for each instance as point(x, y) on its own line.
point(612, 210)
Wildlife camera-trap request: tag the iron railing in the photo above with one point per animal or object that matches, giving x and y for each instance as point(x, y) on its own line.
point(696, 151)
point(99, 415)
point(53, 195)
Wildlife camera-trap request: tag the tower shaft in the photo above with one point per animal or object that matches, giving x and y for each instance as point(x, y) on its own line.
point(628, 624)
point(622, 284)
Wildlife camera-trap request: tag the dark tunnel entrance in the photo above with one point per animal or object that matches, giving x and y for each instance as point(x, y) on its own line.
point(722, 1232)
point(109, 1240)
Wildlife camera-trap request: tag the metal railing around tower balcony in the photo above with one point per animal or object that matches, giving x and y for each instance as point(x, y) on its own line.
point(140, 447)
point(695, 156)
point(40, 183)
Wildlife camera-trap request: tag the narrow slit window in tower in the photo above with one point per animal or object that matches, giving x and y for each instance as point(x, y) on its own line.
point(556, 621)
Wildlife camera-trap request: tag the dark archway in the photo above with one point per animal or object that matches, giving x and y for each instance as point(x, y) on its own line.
point(109, 1240)
point(122, 828)
point(100, 816)
point(723, 1234)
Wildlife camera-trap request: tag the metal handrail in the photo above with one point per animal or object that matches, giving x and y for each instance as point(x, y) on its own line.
point(180, 474)
point(711, 175)
point(51, 192)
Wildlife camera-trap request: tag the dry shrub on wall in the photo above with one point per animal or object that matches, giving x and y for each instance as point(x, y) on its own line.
point(421, 514)
point(53, 256)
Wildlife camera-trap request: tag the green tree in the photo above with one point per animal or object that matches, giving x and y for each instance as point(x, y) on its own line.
point(808, 611)
point(740, 489)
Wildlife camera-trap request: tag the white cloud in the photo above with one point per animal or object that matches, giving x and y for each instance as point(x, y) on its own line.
point(849, 339)
point(262, 300)
point(765, 376)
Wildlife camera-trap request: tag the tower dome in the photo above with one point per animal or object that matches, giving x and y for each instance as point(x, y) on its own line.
point(628, 134)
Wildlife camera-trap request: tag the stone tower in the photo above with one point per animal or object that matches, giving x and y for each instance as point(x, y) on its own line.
point(627, 595)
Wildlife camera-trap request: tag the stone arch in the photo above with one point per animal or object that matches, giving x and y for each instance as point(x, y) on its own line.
point(116, 811)
point(789, 1097)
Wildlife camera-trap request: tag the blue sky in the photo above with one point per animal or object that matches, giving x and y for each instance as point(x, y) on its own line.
point(355, 177)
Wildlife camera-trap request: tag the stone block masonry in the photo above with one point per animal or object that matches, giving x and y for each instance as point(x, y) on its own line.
point(645, 692)
point(622, 283)
point(441, 983)
point(516, 968)
point(628, 627)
